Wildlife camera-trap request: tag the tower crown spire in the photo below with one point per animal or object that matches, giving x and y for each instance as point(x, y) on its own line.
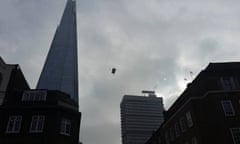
point(60, 71)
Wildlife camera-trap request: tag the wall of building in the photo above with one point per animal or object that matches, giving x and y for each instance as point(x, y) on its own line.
point(202, 104)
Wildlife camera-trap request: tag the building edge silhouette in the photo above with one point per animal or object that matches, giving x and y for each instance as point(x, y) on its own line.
point(207, 112)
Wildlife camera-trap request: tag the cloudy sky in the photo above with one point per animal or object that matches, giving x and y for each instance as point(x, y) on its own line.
point(154, 44)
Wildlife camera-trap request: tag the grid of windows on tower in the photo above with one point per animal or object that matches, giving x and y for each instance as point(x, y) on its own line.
point(34, 96)
point(65, 127)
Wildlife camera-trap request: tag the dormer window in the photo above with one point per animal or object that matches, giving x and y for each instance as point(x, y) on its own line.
point(34, 95)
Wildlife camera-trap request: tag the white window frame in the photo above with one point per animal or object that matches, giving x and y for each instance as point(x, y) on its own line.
point(65, 128)
point(235, 132)
point(189, 119)
point(228, 108)
point(14, 124)
point(37, 124)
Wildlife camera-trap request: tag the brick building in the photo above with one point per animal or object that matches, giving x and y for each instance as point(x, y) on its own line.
point(35, 116)
point(207, 112)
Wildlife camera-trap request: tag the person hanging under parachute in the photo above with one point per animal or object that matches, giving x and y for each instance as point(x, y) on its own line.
point(114, 70)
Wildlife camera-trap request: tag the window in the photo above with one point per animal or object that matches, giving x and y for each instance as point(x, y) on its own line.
point(189, 119)
point(167, 137)
point(228, 83)
point(171, 133)
point(235, 135)
point(183, 124)
point(0, 78)
point(34, 96)
point(177, 129)
point(228, 108)
point(194, 140)
point(65, 127)
point(14, 124)
point(160, 140)
point(37, 124)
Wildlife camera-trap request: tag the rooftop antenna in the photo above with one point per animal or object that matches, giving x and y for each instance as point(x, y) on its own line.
point(191, 75)
point(149, 93)
point(185, 80)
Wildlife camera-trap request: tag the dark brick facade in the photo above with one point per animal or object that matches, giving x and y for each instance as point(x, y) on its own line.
point(207, 112)
point(35, 116)
point(56, 107)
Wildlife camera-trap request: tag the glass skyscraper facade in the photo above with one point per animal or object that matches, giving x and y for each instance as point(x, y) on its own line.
point(60, 71)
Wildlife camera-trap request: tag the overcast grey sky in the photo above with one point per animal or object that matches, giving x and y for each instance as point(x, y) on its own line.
point(154, 44)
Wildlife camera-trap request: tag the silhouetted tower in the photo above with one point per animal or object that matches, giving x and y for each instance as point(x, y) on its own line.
point(140, 117)
point(60, 71)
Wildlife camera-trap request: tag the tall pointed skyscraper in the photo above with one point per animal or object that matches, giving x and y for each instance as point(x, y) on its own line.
point(60, 71)
point(48, 114)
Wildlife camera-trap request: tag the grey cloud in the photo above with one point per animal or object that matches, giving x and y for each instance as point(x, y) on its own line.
point(106, 133)
point(152, 43)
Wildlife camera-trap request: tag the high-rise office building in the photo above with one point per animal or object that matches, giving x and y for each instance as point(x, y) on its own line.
point(140, 117)
point(60, 71)
point(48, 114)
